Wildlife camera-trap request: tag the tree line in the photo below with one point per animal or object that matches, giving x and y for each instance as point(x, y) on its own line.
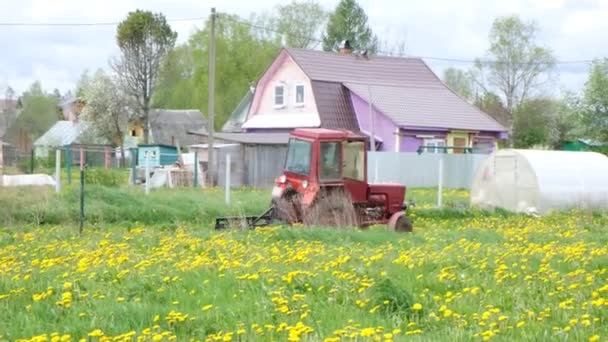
point(152, 71)
point(513, 85)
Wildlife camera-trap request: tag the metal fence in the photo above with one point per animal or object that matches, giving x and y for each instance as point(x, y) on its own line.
point(15, 161)
point(423, 170)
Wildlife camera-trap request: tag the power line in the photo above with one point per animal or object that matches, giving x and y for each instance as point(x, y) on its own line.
point(87, 24)
point(391, 54)
point(311, 39)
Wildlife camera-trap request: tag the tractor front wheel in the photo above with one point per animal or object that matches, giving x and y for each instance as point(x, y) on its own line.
point(400, 223)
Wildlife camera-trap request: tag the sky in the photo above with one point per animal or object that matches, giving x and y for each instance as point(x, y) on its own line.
point(57, 55)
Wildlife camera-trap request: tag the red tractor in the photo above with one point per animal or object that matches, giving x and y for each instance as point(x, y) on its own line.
point(324, 183)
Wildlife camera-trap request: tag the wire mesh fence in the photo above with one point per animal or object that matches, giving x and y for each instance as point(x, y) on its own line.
point(43, 160)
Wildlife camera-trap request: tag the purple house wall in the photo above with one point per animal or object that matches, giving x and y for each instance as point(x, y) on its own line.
point(384, 128)
point(410, 138)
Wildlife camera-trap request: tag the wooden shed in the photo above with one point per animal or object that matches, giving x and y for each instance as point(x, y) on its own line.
point(257, 158)
point(159, 155)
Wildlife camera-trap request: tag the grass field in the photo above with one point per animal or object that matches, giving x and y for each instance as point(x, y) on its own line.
point(462, 275)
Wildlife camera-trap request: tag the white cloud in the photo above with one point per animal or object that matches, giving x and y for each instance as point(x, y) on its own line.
point(453, 29)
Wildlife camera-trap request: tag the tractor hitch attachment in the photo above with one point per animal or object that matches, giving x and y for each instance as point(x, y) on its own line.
point(250, 222)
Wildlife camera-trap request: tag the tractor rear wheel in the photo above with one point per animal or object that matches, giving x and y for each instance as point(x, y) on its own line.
point(331, 209)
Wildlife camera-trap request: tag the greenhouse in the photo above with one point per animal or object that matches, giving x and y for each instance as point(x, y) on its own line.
point(535, 181)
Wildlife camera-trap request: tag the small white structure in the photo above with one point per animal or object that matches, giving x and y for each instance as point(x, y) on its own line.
point(534, 181)
point(27, 180)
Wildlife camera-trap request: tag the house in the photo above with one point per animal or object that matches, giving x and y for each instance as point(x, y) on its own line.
point(75, 136)
point(62, 133)
point(169, 127)
point(582, 145)
point(400, 100)
point(8, 105)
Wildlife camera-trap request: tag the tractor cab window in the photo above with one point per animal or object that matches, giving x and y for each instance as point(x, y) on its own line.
point(331, 157)
point(353, 160)
point(298, 156)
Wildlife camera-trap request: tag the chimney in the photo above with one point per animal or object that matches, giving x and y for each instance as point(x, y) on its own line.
point(345, 48)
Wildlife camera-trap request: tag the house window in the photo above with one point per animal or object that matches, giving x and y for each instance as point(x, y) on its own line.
point(299, 95)
point(279, 96)
point(432, 144)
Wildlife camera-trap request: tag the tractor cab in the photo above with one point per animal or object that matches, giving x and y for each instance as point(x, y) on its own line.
point(322, 158)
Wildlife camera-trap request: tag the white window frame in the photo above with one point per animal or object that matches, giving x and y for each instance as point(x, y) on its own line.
point(437, 142)
point(295, 95)
point(274, 95)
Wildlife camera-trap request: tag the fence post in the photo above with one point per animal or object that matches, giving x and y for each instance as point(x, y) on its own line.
point(228, 178)
point(147, 172)
point(440, 183)
point(68, 163)
point(32, 163)
point(58, 170)
point(81, 158)
point(81, 190)
point(196, 169)
point(107, 158)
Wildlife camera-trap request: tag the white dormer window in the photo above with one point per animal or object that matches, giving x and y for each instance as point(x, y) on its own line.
point(299, 91)
point(279, 96)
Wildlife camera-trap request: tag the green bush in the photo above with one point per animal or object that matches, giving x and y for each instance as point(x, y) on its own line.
point(106, 177)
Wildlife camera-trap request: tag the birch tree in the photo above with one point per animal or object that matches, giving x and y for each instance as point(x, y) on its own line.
point(108, 110)
point(518, 66)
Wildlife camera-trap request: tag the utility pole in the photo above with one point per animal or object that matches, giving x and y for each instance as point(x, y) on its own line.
point(211, 114)
point(371, 114)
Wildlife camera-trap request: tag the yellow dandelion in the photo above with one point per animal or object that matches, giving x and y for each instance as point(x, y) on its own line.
point(417, 307)
point(96, 333)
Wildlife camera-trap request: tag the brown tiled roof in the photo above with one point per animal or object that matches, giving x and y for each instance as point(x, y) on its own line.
point(405, 89)
point(335, 106)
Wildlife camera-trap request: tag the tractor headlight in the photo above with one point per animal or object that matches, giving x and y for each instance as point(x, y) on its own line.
point(282, 179)
point(305, 184)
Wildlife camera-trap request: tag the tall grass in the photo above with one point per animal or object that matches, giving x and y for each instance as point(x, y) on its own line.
point(129, 206)
point(125, 205)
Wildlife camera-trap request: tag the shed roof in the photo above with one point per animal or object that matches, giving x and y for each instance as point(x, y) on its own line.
point(249, 138)
point(167, 126)
point(61, 133)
